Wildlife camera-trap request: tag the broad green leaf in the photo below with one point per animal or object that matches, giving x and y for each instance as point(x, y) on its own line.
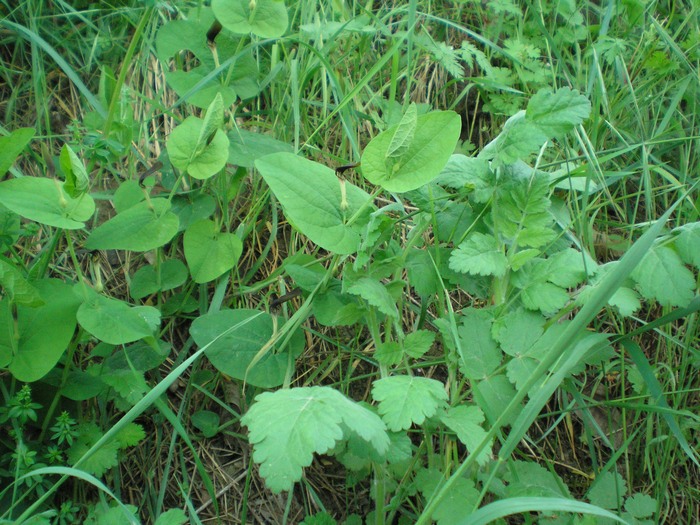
point(518, 140)
point(201, 161)
point(245, 147)
point(43, 333)
point(233, 351)
point(12, 145)
point(466, 422)
point(179, 36)
point(436, 135)
point(77, 181)
point(311, 196)
point(9, 228)
point(376, 294)
point(206, 421)
point(625, 300)
point(661, 275)
point(114, 321)
point(640, 505)
point(405, 400)
point(459, 500)
point(418, 343)
point(520, 370)
point(145, 226)
point(546, 297)
point(422, 273)
point(526, 478)
point(193, 208)
point(470, 173)
point(518, 331)
point(493, 395)
point(557, 113)
point(479, 354)
point(608, 490)
point(688, 243)
point(102, 460)
point(566, 268)
point(148, 279)
point(209, 252)
point(479, 254)
point(172, 517)
point(332, 308)
point(263, 18)
point(403, 136)
point(388, 353)
point(45, 201)
point(288, 426)
point(17, 288)
point(128, 194)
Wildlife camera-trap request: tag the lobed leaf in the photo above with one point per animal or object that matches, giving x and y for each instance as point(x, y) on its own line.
point(479, 254)
point(407, 400)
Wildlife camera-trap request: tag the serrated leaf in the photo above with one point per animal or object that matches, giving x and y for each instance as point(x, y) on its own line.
point(466, 421)
point(172, 517)
point(201, 161)
point(518, 330)
point(141, 228)
point(264, 18)
point(457, 503)
point(688, 243)
point(546, 297)
point(418, 343)
point(129, 384)
point(520, 370)
point(566, 268)
point(288, 426)
point(403, 136)
point(389, 353)
point(471, 173)
point(405, 400)
point(557, 113)
point(479, 355)
point(130, 436)
point(518, 140)
point(528, 479)
point(209, 252)
point(102, 460)
point(435, 138)
point(608, 490)
point(376, 294)
point(310, 194)
point(640, 505)
point(661, 275)
point(77, 181)
point(479, 254)
point(493, 395)
point(625, 300)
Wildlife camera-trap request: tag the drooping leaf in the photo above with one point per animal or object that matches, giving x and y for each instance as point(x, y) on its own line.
point(143, 227)
point(209, 252)
point(557, 113)
point(77, 181)
point(479, 254)
point(288, 426)
point(12, 145)
point(113, 321)
point(311, 196)
point(661, 275)
point(43, 333)
point(434, 140)
point(263, 18)
point(212, 122)
point(186, 153)
point(45, 201)
point(232, 352)
point(466, 422)
point(405, 400)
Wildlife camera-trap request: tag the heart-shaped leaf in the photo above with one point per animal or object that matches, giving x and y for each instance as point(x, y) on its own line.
point(145, 226)
point(313, 200)
point(45, 201)
point(148, 279)
point(264, 18)
point(411, 154)
point(210, 252)
point(201, 161)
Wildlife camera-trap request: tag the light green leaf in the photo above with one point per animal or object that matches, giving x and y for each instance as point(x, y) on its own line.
point(518, 331)
point(625, 300)
point(403, 136)
point(201, 161)
point(520, 370)
point(376, 294)
point(688, 243)
point(608, 490)
point(435, 137)
point(557, 113)
point(661, 275)
point(114, 321)
point(466, 422)
point(145, 226)
point(388, 353)
point(38, 350)
point(418, 343)
point(405, 400)
point(471, 173)
point(288, 426)
point(77, 181)
point(17, 288)
point(518, 140)
point(526, 478)
point(479, 254)
point(130, 436)
point(102, 460)
point(422, 273)
point(127, 195)
point(172, 517)
point(148, 279)
point(311, 196)
point(641, 505)
point(459, 500)
point(212, 122)
point(246, 147)
point(209, 252)
point(566, 268)
point(45, 201)
point(493, 395)
point(264, 18)
point(232, 352)
point(12, 145)
point(479, 353)
point(546, 297)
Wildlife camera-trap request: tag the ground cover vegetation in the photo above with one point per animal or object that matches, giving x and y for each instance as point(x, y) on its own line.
point(330, 261)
